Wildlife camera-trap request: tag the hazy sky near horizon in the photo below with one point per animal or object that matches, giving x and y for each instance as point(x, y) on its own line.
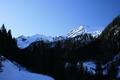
point(56, 17)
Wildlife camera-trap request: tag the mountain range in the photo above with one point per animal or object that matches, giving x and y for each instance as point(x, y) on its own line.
point(24, 41)
point(81, 54)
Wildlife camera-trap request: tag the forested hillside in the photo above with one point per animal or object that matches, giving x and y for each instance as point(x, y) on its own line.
point(63, 59)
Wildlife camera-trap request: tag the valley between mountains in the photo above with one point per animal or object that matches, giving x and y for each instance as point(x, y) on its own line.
point(78, 55)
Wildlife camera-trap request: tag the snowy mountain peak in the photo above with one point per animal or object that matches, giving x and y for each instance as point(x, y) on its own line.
point(83, 29)
point(24, 42)
point(96, 33)
point(77, 31)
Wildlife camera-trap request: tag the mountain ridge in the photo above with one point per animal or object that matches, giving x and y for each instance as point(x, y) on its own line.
point(23, 41)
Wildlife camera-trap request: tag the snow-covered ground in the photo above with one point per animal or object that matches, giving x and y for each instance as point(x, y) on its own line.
point(90, 65)
point(12, 72)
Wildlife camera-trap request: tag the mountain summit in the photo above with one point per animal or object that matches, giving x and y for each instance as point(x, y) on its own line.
point(77, 31)
point(82, 30)
point(24, 41)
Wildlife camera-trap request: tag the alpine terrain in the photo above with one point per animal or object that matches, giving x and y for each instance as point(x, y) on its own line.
point(78, 55)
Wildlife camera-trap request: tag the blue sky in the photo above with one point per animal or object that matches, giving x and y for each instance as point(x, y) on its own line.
point(56, 17)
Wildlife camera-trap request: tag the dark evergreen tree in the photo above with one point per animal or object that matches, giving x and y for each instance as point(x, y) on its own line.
point(99, 71)
point(0, 64)
point(112, 71)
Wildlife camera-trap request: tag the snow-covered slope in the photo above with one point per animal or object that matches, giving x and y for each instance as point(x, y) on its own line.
point(95, 33)
point(90, 65)
point(81, 30)
point(77, 31)
point(12, 72)
point(23, 41)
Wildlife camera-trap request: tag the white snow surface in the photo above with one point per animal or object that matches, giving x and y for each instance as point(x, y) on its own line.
point(12, 72)
point(90, 65)
point(83, 29)
point(77, 31)
point(24, 42)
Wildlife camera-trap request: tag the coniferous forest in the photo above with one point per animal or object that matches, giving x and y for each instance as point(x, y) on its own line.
point(63, 59)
